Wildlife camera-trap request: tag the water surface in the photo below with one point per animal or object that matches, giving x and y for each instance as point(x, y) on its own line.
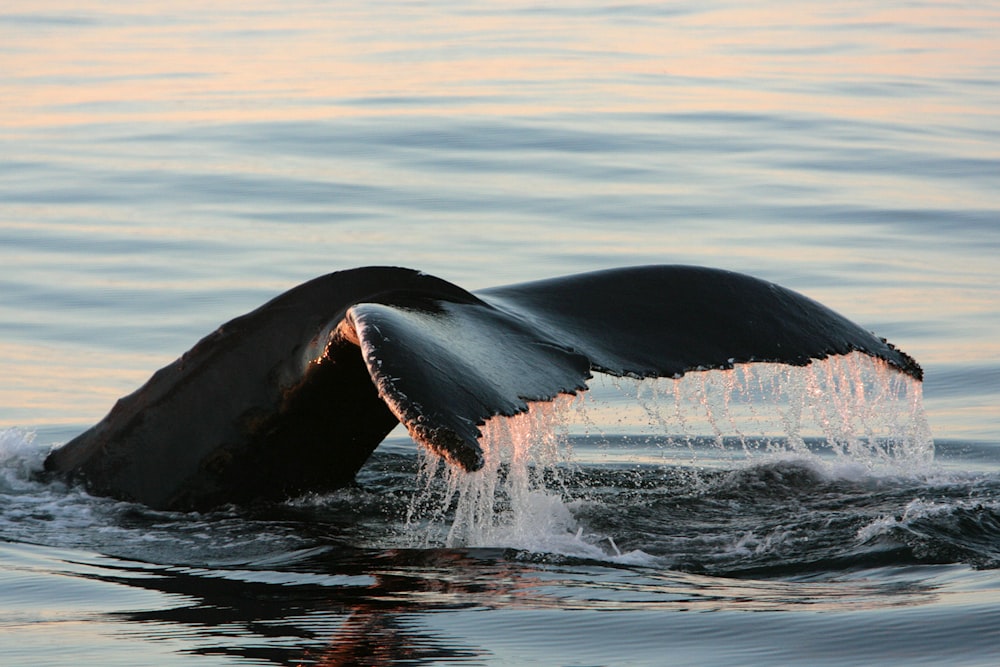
point(164, 168)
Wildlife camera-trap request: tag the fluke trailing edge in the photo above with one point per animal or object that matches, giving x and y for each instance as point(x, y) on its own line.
point(296, 395)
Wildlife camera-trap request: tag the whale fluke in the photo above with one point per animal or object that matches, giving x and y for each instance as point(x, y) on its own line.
point(296, 395)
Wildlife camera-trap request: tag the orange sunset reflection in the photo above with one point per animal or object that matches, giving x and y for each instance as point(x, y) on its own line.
point(73, 385)
point(82, 67)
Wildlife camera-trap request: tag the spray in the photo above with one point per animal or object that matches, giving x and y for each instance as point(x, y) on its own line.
point(856, 408)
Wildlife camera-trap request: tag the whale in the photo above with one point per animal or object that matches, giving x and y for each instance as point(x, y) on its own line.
point(295, 396)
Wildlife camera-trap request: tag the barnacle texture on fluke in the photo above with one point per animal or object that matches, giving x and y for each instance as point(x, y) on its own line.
point(295, 396)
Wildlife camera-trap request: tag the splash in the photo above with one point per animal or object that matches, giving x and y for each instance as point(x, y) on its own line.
point(518, 500)
point(20, 457)
point(854, 410)
point(508, 502)
point(852, 406)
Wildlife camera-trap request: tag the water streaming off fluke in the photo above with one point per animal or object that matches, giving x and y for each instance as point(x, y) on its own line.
point(844, 415)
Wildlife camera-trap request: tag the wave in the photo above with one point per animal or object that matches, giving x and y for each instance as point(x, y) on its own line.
point(781, 517)
point(938, 531)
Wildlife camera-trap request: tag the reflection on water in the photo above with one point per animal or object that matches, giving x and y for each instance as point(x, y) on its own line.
point(251, 61)
point(330, 580)
point(281, 620)
point(42, 381)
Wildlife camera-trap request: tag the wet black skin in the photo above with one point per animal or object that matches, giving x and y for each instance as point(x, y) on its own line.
point(296, 395)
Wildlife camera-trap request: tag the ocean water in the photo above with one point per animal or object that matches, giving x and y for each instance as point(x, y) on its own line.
point(166, 167)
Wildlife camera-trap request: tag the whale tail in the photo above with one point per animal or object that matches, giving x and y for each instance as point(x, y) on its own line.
point(297, 394)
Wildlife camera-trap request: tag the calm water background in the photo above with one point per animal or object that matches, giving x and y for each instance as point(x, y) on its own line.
point(167, 166)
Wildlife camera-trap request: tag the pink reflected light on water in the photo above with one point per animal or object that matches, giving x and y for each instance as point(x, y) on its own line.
point(228, 61)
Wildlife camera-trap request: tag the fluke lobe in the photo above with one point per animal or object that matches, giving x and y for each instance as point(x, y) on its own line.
point(296, 395)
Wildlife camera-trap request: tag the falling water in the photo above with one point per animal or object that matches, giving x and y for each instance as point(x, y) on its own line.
point(861, 409)
point(853, 407)
point(515, 499)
